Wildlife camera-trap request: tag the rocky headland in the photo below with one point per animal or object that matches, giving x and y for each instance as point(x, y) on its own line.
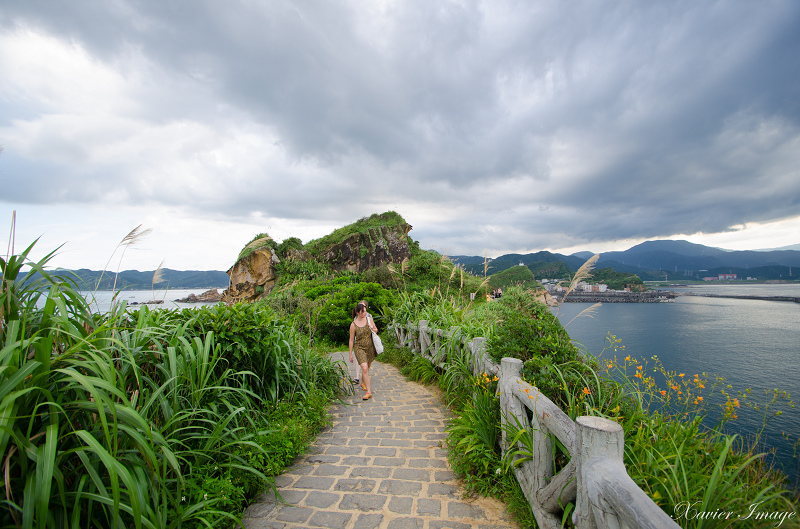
point(369, 243)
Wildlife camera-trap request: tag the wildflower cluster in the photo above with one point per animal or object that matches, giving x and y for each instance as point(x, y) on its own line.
point(682, 397)
point(486, 382)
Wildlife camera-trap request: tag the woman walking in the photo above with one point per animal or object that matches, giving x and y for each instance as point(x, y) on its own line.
point(361, 343)
point(371, 326)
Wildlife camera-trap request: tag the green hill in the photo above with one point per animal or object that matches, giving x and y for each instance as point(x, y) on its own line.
point(517, 275)
point(615, 280)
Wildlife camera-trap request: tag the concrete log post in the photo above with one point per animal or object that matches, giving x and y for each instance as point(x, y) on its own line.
point(424, 339)
point(598, 439)
point(479, 354)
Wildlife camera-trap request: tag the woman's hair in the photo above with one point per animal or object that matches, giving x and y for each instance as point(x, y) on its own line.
point(358, 309)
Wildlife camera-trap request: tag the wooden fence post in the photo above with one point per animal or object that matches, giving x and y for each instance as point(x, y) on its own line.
point(598, 439)
point(478, 355)
point(424, 339)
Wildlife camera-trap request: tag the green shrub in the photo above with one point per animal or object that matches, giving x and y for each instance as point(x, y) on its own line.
point(289, 272)
point(528, 330)
point(472, 439)
point(292, 243)
point(336, 315)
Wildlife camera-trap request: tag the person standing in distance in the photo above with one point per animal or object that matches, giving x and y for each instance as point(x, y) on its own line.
point(361, 344)
point(371, 326)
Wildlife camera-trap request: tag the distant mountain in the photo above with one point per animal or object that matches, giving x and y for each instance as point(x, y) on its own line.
point(790, 247)
point(694, 260)
point(655, 259)
point(136, 280)
point(678, 247)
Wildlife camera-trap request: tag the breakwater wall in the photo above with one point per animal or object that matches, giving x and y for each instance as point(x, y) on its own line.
point(790, 299)
point(618, 297)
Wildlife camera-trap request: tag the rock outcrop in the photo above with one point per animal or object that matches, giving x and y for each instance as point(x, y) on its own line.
point(385, 242)
point(363, 251)
point(209, 296)
point(252, 277)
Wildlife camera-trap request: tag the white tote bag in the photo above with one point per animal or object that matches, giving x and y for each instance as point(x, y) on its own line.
point(376, 341)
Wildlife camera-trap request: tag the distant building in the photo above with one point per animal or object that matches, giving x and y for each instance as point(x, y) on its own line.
point(727, 277)
point(711, 278)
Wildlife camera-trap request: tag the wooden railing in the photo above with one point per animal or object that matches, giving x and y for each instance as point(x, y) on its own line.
point(595, 478)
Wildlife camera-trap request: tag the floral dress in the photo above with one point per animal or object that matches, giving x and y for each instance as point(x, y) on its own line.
point(363, 347)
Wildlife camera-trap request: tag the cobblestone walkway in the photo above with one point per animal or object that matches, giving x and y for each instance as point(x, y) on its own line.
point(380, 465)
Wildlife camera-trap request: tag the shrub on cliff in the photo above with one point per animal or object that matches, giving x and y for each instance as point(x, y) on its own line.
point(292, 243)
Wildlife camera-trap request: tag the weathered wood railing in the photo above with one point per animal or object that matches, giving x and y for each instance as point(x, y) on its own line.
point(595, 477)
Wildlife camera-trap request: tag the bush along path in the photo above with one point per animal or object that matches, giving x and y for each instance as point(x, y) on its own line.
point(380, 464)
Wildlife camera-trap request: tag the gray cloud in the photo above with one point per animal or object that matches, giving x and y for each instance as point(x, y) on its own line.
point(510, 124)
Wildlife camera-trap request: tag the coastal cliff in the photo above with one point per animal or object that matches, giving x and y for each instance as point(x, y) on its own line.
point(376, 247)
point(253, 275)
point(369, 243)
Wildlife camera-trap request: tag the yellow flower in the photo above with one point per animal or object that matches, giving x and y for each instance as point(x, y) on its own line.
point(639, 368)
point(682, 375)
point(736, 402)
point(586, 391)
point(700, 399)
point(627, 358)
point(663, 393)
point(638, 375)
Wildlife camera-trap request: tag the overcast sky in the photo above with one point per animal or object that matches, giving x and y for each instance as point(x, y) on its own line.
point(492, 127)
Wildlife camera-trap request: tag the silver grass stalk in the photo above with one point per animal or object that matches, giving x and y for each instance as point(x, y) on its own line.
point(158, 277)
point(588, 312)
point(583, 272)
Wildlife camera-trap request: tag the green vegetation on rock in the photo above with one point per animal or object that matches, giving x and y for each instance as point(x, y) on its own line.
point(516, 275)
point(389, 219)
point(262, 240)
point(616, 280)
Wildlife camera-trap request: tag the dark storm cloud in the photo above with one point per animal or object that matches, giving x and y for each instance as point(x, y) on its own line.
point(595, 121)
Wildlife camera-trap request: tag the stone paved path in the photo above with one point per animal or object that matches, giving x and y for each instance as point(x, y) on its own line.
point(380, 465)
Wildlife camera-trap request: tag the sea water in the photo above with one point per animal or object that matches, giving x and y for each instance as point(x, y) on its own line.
point(750, 343)
point(101, 300)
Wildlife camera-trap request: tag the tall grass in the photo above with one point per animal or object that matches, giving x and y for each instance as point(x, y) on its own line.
point(149, 419)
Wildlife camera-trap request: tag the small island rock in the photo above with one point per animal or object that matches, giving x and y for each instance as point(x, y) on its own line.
point(209, 296)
